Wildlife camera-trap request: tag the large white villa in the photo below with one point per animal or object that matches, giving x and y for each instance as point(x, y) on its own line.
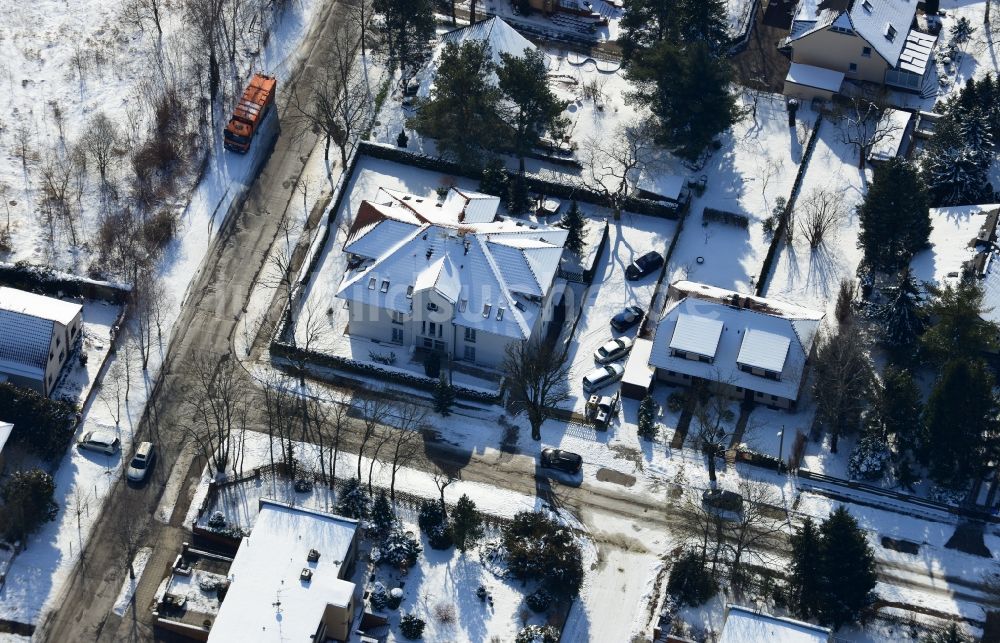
point(449, 275)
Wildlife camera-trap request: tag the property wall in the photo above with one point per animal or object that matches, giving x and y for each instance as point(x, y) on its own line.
point(832, 50)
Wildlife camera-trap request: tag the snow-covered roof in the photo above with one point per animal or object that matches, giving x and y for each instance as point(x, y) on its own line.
point(40, 306)
point(752, 332)
point(266, 600)
point(496, 270)
point(893, 122)
point(5, 430)
point(669, 186)
point(884, 24)
point(500, 36)
point(696, 334)
point(743, 625)
point(818, 77)
point(637, 370)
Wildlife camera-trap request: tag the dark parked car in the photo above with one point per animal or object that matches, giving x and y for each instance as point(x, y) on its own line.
point(562, 460)
point(644, 265)
point(626, 319)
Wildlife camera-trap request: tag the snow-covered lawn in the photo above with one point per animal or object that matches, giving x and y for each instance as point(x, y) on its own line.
point(811, 277)
point(610, 293)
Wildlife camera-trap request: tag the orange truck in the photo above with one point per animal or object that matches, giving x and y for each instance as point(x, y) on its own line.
point(249, 113)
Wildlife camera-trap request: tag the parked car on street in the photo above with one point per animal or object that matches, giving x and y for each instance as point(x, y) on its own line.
point(102, 441)
point(601, 377)
point(626, 319)
point(644, 265)
point(562, 460)
point(141, 462)
point(612, 350)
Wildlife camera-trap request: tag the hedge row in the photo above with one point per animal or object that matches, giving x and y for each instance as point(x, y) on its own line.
point(535, 184)
point(33, 278)
point(728, 218)
point(42, 425)
point(283, 349)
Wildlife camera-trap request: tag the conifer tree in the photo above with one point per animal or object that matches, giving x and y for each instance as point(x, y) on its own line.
point(466, 524)
point(352, 501)
point(647, 412)
point(574, 222)
point(958, 328)
point(444, 396)
point(806, 583)
point(901, 318)
point(895, 216)
point(383, 516)
point(961, 420)
point(847, 568)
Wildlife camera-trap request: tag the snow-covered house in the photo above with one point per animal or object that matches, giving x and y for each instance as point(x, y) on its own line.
point(861, 40)
point(743, 624)
point(449, 275)
point(287, 580)
point(6, 428)
point(494, 32)
point(37, 335)
point(747, 347)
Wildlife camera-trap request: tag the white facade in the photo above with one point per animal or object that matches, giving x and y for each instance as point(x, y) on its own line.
point(38, 335)
point(449, 275)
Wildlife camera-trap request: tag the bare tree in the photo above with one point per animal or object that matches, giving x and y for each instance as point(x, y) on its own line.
point(361, 15)
point(819, 214)
point(219, 401)
point(756, 531)
point(374, 411)
point(111, 390)
point(336, 99)
point(442, 478)
point(279, 407)
point(99, 140)
point(842, 376)
point(536, 372)
point(130, 529)
point(339, 425)
point(146, 299)
point(866, 124)
point(613, 164)
point(410, 420)
point(205, 19)
point(57, 171)
point(23, 139)
point(142, 12)
point(713, 415)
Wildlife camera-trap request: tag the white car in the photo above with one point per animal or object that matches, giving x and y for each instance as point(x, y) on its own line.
point(141, 462)
point(601, 377)
point(103, 441)
point(612, 350)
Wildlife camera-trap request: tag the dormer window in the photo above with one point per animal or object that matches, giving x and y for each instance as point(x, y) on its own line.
point(385, 286)
point(890, 32)
point(371, 283)
point(486, 310)
point(431, 306)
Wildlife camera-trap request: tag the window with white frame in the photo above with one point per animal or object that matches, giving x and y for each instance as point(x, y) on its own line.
point(470, 335)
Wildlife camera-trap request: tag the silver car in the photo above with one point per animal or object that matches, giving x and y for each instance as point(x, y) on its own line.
point(102, 441)
point(601, 377)
point(612, 350)
point(141, 462)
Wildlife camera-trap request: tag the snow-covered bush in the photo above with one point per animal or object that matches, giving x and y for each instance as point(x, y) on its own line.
point(538, 634)
point(870, 458)
point(380, 596)
point(493, 558)
point(399, 548)
point(432, 522)
point(217, 521)
point(411, 626)
point(540, 548)
point(689, 582)
point(539, 600)
point(352, 501)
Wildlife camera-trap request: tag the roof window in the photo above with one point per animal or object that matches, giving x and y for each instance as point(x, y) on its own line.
point(462, 305)
point(867, 6)
point(890, 32)
point(486, 310)
point(409, 292)
point(371, 283)
point(500, 314)
point(385, 286)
